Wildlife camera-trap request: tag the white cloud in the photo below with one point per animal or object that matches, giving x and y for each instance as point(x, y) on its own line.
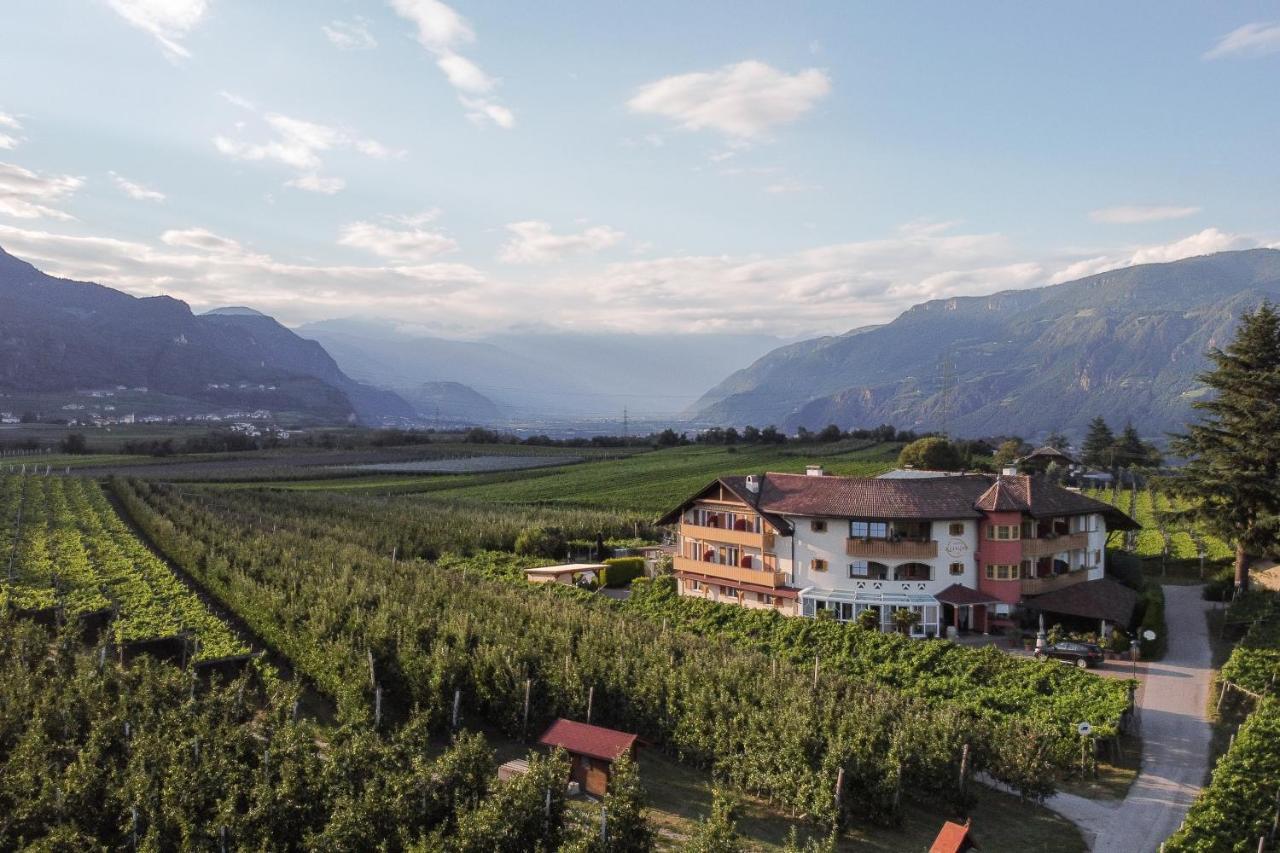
point(464, 74)
point(9, 141)
point(207, 270)
point(411, 244)
point(168, 21)
point(1252, 40)
point(135, 190)
point(480, 110)
point(790, 186)
point(1140, 213)
point(532, 242)
point(442, 31)
point(1205, 242)
point(313, 183)
point(298, 144)
point(741, 100)
point(25, 194)
point(440, 27)
point(350, 35)
point(201, 239)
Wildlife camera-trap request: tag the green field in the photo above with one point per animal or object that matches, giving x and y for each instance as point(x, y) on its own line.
point(654, 482)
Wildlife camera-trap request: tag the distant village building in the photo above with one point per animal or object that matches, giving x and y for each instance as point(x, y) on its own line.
point(957, 551)
point(1038, 460)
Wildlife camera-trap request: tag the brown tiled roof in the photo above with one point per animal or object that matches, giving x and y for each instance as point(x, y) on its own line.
point(1001, 498)
point(1100, 599)
point(1052, 454)
point(1040, 498)
point(586, 739)
point(871, 497)
point(892, 499)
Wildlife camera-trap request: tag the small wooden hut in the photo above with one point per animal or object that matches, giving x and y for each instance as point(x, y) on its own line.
point(592, 751)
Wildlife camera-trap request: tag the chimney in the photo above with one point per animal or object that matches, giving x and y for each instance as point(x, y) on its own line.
point(753, 484)
point(1009, 471)
point(813, 470)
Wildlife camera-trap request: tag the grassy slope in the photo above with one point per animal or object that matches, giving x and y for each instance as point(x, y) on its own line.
point(655, 482)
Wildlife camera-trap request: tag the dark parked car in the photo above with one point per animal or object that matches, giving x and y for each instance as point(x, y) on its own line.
point(1080, 654)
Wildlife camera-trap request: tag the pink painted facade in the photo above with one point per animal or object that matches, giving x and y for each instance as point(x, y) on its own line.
point(993, 552)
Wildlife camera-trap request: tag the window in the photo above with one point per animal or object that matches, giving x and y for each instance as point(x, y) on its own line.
point(956, 528)
point(913, 572)
point(695, 585)
point(818, 565)
point(729, 592)
point(957, 568)
point(818, 526)
point(1002, 572)
point(868, 530)
point(871, 571)
point(1004, 532)
point(765, 598)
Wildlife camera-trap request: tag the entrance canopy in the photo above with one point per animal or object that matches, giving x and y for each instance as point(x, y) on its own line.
point(959, 595)
point(1100, 599)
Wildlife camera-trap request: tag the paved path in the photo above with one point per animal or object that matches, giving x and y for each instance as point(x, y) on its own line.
point(1175, 740)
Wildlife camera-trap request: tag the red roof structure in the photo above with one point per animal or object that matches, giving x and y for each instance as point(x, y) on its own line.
point(953, 838)
point(779, 496)
point(963, 596)
point(585, 739)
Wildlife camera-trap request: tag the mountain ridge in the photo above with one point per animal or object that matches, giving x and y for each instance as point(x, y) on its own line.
point(1124, 343)
point(61, 335)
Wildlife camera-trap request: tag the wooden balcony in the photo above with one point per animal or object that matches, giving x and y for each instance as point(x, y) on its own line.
point(1036, 586)
point(728, 536)
point(1035, 548)
point(731, 573)
point(901, 550)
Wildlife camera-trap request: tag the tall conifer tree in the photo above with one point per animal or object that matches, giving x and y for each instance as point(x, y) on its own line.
point(1232, 475)
point(1099, 445)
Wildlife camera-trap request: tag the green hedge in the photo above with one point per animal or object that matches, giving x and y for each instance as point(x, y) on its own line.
point(1153, 620)
point(621, 571)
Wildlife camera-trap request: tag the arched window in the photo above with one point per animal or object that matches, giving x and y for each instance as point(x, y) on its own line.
point(913, 572)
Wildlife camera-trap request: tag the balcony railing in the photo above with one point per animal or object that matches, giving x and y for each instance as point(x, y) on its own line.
point(902, 549)
point(728, 536)
point(1050, 545)
point(732, 573)
point(1036, 586)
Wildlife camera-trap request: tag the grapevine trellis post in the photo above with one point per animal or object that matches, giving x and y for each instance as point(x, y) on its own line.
point(528, 685)
point(591, 695)
point(457, 705)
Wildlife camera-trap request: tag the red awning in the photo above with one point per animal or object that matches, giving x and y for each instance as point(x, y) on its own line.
point(777, 591)
point(962, 596)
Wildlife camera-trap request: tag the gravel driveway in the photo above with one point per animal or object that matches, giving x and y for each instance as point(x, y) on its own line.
point(1175, 740)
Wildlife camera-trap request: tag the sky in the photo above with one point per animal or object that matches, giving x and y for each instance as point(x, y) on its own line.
point(789, 169)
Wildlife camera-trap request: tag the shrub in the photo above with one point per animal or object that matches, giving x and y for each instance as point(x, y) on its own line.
point(621, 571)
point(540, 541)
point(933, 454)
point(1152, 619)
